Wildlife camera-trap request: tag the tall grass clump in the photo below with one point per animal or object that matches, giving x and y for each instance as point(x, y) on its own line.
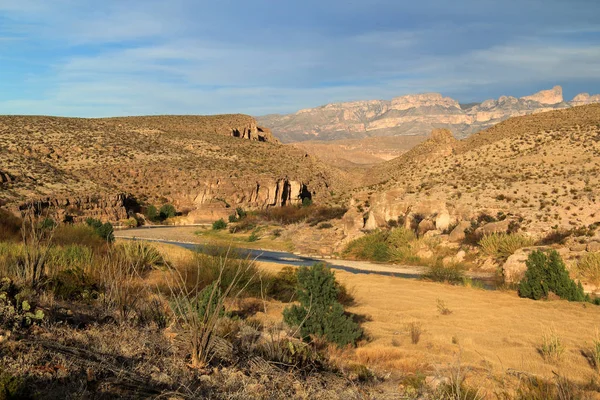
point(452, 274)
point(142, 256)
point(503, 245)
point(588, 268)
point(198, 310)
point(398, 245)
point(552, 347)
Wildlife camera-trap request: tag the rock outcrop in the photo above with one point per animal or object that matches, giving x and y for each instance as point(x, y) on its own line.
point(584, 98)
point(550, 96)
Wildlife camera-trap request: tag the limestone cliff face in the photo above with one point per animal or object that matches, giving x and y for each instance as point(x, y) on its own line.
point(78, 209)
point(584, 98)
point(551, 96)
point(411, 115)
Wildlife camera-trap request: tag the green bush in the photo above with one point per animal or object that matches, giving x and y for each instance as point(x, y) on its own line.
point(372, 246)
point(167, 211)
point(547, 273)
point(13, 387)
point(233, 218)
point(319, 313)
point(219, 224)
point(152, 213)
point(105, 231)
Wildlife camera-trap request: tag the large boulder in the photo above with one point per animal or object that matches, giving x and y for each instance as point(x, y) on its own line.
point(371, 222)
point(514, 267)
point(458, 233)
point(425, 226)
point(593, 247)
point(442, 221)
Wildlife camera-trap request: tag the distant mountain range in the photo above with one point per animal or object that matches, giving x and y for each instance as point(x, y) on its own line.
point(415, 114)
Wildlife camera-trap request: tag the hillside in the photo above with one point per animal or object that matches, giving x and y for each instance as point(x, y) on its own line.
point(414, 114)
point(107, 167)
point(543, 170)
point(348, 153)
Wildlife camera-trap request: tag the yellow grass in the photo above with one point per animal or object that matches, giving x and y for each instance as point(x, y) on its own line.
point(494, 331)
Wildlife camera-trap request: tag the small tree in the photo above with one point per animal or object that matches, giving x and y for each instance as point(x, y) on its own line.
point(152, 213)
point(219, 224)
point(319, 312)
point(167, 211)
point(547, 273)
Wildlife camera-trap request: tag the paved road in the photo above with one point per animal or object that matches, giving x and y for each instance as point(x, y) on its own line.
point(286, 258)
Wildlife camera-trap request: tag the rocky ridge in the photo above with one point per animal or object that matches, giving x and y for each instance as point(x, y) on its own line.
point(106, 168)
point(411, 115)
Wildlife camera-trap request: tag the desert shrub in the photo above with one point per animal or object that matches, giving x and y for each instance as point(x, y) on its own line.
point(312, 215)
point(547, 273)
point(253, 237)
point(588, 268)
point(414, 329)
point(556, 236)
point(319, 312)
point(244, 225)
point(105, 231)
point(241, 214)
point(325, 225)
point(503, 245)
point(78, 234)
point(151, 213)
point(13, 387)
point(452, 274)
point(131, 223)
point(282, 286)
point(10, 226)
point(372, 246)
point(73, 284)
point(167, 211)
point(233, 218)
point(306, 202)
point(219, 225)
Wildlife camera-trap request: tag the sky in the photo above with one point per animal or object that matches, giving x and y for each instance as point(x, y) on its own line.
point(140, 57)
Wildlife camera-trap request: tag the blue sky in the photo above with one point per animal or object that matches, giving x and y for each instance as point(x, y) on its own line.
point(137, 57)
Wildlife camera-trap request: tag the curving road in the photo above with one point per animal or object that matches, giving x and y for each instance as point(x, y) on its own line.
point(184, 238)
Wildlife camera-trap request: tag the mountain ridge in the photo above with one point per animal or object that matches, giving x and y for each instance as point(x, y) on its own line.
point(413, 114)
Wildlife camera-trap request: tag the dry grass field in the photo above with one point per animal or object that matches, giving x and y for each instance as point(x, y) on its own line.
point(494, 335)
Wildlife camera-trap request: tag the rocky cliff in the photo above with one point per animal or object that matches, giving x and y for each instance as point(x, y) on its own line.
point(411, 115)
point(108, 168)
